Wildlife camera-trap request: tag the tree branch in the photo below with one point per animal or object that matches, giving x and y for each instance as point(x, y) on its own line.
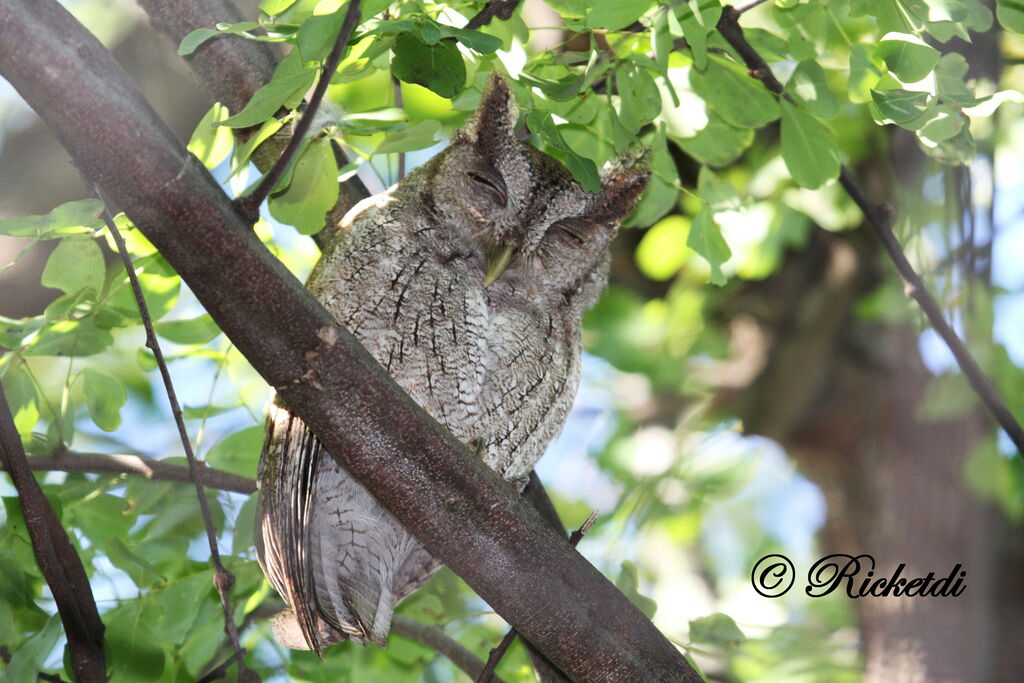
point(223, 579)
point(436, 639)
point(503, 9)
point(56, 557)
point(232, 69)
point(879, 219)
point(136, 465)
point(461, 510)
point(487, 675)
point(249, 205)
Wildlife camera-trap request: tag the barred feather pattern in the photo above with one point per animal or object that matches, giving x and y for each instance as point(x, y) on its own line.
point(492, 353)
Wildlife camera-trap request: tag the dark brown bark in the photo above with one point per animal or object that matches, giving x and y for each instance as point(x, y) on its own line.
point(57, 558)
point(461, 510)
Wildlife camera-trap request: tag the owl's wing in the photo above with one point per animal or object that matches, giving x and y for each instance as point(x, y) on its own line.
point(288, 466)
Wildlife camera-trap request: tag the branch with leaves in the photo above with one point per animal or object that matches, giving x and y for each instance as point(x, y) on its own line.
point(879, 218)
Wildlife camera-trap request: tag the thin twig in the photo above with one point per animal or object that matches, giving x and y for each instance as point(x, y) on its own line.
point(741, 7)
point(223, 579)
point(249, 205)
point(57, 559)
point(64, 460)
point(439, 641)
point(879, 219)
point(487, 675)
point(502, 9)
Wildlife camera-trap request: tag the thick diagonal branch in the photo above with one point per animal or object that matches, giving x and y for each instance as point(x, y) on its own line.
point(460, 509)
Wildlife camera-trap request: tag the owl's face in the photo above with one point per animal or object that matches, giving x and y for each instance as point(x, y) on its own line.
point(531, 223)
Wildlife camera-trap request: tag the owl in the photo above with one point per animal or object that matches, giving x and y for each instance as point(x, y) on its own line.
point(467, 282)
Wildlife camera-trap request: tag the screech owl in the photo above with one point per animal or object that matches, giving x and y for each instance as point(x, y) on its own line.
point(467, 282)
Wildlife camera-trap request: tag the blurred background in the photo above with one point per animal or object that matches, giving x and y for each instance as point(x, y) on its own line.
point(803, 408)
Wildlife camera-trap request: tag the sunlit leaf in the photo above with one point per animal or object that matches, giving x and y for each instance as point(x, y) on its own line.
point(312, 192)
point(808, 147)
point(104, 396)
point(437, 67)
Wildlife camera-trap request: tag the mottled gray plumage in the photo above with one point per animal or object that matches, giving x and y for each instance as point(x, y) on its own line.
point(467, 282)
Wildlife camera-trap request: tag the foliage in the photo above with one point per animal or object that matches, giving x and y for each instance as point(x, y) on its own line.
point(740, 175)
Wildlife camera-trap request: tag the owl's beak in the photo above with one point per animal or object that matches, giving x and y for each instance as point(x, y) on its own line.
point(496, 265)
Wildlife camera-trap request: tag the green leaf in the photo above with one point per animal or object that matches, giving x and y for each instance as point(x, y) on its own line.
point(290, 82)
point(136, 654)
point(639, 98)
point(22, 398)
point(211, 142)
point(418, 136)
point(194, 39)
point(102, 517)
point(629, 583)
point(70, 338)
point(808, 147)
point(104, 396)
point(717, 629)
point(74, 265)
point(738, 98)
point(946, 122)
point(28, 658)
point(12, 331)
point(706, 239)
point(138, 568)
point(863, 74)
point(180, 601)
point(437, 67)
point(273, 7)
point(160, 286)
point(808, 85)
point(317, 35)
point(662, 191)
point(245, 525)
point(239, 452)
point(697, 19)
point(584, 170)
point(718, 143)
point(908, 57)
point(663, 251)
point(1011, 15)
point(312, 192)
point(614, 14)
point(900, 106)
point(198, 330)
point(483, 43)
point(386, 119)
point(950, 76)
point(71, 218)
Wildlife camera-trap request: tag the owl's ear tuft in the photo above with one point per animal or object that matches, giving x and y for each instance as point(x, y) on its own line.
point(622, 183)
point(495, 117)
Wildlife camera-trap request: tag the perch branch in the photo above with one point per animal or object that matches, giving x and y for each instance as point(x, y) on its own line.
point(56, 557)
point(249, 205)
point(461, 510)
point(879, 219)
point(439, 641)
point(223, 579)
point(140, 466)
point(487, 675)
